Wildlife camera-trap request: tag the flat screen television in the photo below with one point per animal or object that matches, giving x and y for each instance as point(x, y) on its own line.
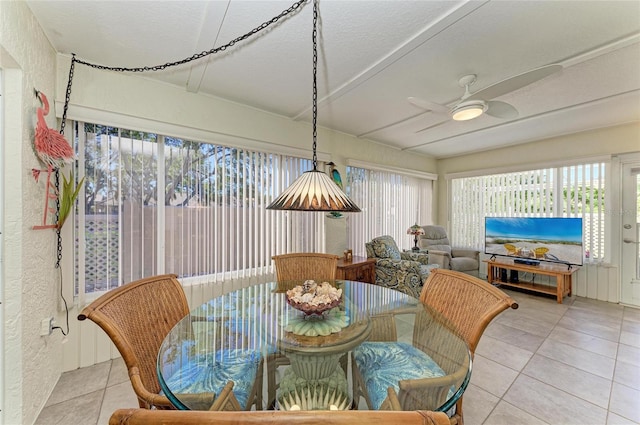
point(530, 240)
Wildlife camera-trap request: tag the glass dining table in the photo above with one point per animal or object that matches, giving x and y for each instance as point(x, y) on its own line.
point(256, 325)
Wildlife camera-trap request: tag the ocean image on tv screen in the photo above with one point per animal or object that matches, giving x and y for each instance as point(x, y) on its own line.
point(554, 239)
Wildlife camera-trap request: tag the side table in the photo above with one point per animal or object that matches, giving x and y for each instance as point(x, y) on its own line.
point(360, 269)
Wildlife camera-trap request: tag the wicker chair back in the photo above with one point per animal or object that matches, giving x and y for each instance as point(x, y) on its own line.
point(305, 265)
point(137, 317)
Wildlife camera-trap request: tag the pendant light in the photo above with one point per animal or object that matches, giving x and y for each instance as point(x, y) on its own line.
point(314, 190)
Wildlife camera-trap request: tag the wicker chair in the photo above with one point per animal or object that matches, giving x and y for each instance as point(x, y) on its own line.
point(296, 267)
point(137, 317)
point(465, 302)
point(305, 265)
point(315, 417)
point(393, 375)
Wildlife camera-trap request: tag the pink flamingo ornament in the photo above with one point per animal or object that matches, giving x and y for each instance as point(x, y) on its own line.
point(54, 151)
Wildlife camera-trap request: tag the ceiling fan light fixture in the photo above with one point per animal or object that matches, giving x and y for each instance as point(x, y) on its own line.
point(468, 110)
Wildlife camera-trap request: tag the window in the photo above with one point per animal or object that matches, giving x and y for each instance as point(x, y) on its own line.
point(569, 191)
point(157, 204)
point(390, 202)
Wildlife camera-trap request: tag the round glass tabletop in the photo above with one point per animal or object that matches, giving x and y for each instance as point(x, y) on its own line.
point(252, 332)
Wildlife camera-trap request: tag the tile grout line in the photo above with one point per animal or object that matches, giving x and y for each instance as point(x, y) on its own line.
point(104, 392)
point(521, 372)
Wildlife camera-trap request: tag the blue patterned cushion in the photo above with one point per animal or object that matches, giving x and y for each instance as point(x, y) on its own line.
point(208, 374)
point(384, 364)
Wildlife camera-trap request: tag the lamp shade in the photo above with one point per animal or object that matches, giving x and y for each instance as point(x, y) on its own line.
point(313, 191)
point(415, 230)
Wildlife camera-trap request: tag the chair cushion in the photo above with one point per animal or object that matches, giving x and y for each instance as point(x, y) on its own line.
point(206, 374)
point(384, 364)
point(385, 247)
point(435, 234)
point(444, 248)
point(435, 238)
point(369, 248)
point(464, 264)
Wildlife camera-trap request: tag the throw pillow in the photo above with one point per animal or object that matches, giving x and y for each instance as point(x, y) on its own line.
point(385, 247)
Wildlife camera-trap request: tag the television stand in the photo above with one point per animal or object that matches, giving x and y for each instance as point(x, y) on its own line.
point(562, 274)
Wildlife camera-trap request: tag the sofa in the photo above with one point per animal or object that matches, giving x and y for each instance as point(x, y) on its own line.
point(402, 271)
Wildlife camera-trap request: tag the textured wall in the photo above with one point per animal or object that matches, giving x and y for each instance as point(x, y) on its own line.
point(32, 364)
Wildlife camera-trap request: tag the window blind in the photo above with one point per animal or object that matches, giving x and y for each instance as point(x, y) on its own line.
point(156, 204)
point(576, 190)
point(390, 204)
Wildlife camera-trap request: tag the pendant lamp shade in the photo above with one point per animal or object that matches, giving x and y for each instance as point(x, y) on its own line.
point(314, 191)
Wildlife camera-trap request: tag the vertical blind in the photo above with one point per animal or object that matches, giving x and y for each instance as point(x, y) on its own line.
point(569, 191)
point(157, 204)
point(390, 203)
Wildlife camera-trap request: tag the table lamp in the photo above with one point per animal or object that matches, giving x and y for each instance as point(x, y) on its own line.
point(415, 230)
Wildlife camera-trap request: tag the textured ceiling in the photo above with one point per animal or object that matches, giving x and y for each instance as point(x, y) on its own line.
point(373, 55)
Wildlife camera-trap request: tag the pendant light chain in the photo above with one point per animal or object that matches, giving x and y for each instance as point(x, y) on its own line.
point(57, 171)
point(293, 8)
point(314, 190)
point(314, 120)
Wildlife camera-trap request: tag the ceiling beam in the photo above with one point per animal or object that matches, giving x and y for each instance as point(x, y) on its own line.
point(440, 24)
point(207, 39)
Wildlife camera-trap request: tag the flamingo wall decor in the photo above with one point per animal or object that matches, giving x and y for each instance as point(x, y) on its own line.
point(53, 150)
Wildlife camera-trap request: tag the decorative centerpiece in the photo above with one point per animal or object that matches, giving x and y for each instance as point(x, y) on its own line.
point(313, 299)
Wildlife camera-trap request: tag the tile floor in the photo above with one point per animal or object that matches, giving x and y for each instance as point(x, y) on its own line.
point(545, 363)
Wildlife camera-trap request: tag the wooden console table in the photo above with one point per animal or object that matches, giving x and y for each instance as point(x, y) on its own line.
point(360, 269)
point(561, 272)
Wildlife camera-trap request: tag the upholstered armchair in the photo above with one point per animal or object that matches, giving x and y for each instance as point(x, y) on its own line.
point(402, 271)
point(436, 241)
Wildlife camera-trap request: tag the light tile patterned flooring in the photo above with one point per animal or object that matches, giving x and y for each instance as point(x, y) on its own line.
point(544, 363)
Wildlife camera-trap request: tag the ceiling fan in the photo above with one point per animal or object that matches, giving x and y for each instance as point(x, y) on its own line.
point(473, 104)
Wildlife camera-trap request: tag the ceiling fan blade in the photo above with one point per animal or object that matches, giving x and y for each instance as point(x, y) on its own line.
point(501, 110)
point(514, 83)
point(425, 104)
